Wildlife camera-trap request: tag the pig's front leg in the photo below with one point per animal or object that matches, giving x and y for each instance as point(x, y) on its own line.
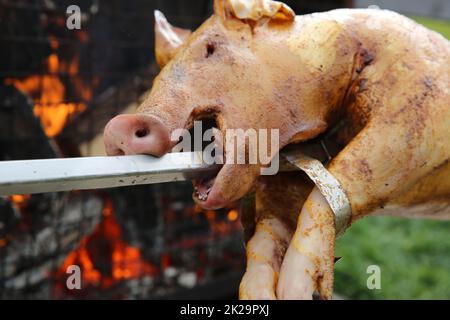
point(378, 165)
point(309, 260)
point(279, 200)
point(265, 252)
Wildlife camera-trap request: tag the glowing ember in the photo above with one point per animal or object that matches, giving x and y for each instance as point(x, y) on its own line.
point(19, 200)
point(221, 227)
point(232, 215)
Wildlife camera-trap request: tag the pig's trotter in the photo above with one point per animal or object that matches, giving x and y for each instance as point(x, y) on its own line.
point(265, 252)
point(309, 260)
point(278, 200)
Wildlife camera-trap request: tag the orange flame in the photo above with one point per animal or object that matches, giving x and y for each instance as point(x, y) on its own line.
point(81, 257)
point(127, 261)
point(50, 93)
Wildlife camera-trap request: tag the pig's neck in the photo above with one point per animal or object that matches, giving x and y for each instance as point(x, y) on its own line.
point(326, 59)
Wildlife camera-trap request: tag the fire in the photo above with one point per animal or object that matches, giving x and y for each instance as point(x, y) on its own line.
point(49, 92)
point(233, 215)
point(126, 260)
point(81, 257)
point(19, 200)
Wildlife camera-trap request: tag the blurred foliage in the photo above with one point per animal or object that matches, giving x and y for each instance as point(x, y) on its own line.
point(441, 26)
point(414, 255)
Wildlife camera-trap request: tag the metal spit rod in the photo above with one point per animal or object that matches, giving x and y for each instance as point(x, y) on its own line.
point(54, 175)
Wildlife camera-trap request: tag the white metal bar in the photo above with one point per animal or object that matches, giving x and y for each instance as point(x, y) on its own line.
point(53, 175)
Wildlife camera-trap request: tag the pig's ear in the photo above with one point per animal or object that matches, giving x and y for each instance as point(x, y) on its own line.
point(168, 39)
point(254, 10)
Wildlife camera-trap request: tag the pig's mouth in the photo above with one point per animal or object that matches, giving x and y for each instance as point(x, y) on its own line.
point(227, 182)
point(206, 190)
point(203, 187)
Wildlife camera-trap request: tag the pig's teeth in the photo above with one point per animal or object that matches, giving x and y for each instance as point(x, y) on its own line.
point(202, 188)
point(202, 197)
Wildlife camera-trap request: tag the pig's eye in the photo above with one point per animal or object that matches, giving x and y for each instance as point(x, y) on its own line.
point(210, 48)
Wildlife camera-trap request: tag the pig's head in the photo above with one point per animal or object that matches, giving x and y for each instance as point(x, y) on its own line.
point(239, 68)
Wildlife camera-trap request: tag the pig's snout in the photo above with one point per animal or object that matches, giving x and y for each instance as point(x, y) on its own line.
point(136, 134)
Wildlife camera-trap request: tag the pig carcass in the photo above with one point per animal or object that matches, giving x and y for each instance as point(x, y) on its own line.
point(375, 78)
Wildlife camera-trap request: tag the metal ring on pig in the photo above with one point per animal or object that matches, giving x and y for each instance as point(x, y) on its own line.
point(328, 186)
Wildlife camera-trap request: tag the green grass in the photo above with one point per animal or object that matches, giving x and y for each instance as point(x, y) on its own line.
point(413, 255)
point(441, 26)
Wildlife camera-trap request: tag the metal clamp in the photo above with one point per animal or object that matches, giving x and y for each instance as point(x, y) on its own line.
point(328, 186)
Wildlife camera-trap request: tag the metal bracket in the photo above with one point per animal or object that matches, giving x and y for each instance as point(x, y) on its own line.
point(328, 186)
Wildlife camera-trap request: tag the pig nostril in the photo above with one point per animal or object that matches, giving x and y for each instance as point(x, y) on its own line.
point(120, 152)
point(141, 133)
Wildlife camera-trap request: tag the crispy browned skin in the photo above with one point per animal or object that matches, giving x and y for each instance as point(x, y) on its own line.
point(381, 73)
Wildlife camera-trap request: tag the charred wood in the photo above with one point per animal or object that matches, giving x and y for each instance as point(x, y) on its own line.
point(21, 133)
